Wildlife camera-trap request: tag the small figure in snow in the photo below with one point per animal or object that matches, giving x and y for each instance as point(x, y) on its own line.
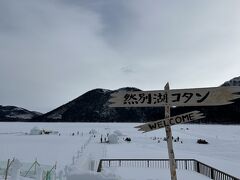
point(128, 139)
point(177, 139)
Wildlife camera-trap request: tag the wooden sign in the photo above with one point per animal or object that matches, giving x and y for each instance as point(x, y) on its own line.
point(183, 118)
point(176, 97)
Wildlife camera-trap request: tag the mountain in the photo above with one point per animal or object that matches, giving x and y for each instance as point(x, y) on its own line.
point(13, 113)
point(233, 82)
point(93, 107)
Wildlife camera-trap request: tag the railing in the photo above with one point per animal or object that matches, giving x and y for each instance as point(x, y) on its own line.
point(187, 164)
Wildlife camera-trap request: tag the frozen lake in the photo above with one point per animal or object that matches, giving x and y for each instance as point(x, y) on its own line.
point(222, 152)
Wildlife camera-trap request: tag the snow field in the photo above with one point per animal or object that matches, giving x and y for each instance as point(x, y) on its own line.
point(222, 152)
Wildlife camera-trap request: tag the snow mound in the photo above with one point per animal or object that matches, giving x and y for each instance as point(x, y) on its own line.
point(92, 131)
point(35, 131)
point(113, 139)
point(118, 133)
point(38, 131)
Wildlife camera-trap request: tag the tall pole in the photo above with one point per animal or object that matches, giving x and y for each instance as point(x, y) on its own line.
point(6, 173)
point(168, 130)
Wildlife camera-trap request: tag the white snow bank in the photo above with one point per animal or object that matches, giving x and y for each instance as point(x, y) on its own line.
point(76, 173)
point(153, 174)
point(15, 169)
point(91, 176)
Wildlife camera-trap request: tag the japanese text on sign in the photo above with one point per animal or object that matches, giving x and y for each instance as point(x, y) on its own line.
point(176, 97)
point(132, 98)
point(156, 98)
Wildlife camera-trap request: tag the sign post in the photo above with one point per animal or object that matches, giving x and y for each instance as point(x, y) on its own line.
point(175, 97)
point(168, 130)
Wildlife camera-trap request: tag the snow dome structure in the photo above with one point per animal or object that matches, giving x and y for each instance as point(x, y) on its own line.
point(113, 139)
point(118, 133)
point(93, 131)
point(35, 131)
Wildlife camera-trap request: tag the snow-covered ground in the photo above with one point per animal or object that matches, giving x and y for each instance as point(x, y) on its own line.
point(222, 152)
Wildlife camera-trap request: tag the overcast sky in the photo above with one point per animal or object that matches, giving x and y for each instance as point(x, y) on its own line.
point(52, 51)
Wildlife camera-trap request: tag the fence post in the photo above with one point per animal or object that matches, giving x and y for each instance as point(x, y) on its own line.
point(198, 168)
point(6, 174)
point(212, 173)
point(99, 166)
point(30, 169)
point(48, 175)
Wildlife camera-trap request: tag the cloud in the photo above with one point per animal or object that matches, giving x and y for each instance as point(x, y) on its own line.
point(127, 70)
point(53, 51)
point(47, 50)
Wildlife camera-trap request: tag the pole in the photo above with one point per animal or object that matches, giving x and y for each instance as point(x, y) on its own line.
point(8, 165)
point(168, 130)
